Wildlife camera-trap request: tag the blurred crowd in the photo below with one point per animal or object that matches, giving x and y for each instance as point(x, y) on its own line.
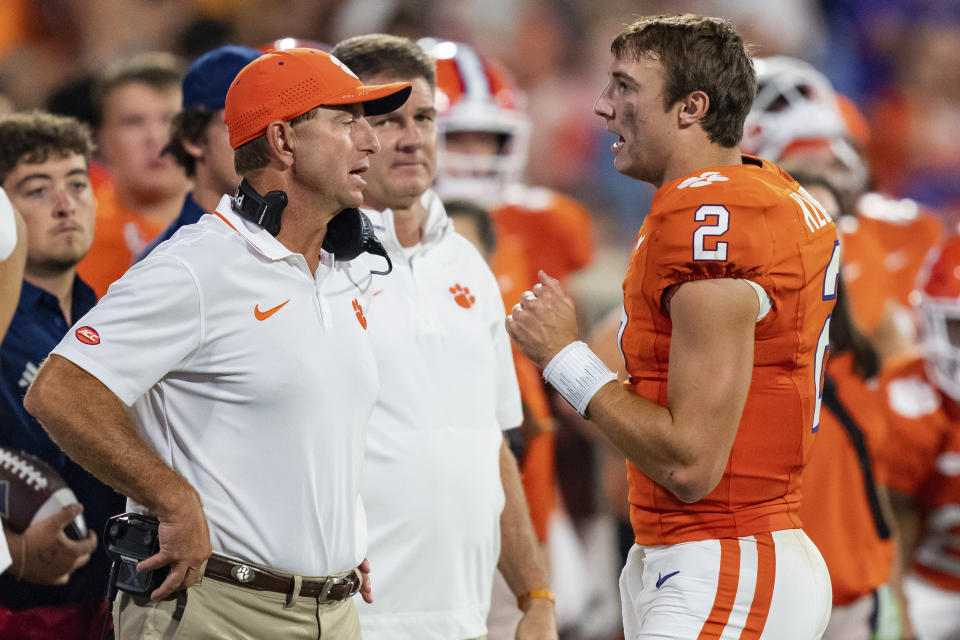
point(891, 63)
point(894, 59)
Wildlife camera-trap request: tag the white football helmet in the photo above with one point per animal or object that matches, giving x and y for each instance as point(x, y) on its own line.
point(475, 94)
point(794, 103)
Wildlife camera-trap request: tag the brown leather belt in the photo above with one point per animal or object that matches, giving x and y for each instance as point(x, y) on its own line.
point(260, 579)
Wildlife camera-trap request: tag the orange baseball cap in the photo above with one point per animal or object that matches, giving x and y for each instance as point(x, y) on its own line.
point(281, 85)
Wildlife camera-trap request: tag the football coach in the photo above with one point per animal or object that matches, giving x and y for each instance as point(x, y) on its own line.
point(225, 382)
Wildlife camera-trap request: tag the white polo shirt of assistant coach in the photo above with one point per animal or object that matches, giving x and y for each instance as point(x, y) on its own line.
point(253, 378)
point(431, 481)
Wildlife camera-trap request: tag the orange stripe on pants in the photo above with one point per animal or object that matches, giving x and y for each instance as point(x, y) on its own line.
point(763, 592)
point(726, 590)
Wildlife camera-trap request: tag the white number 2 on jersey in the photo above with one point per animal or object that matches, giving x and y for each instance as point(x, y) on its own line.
point(700, 252)
point(823, 342)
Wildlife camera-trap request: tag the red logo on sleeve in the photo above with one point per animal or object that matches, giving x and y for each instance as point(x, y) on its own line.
point(88, 335)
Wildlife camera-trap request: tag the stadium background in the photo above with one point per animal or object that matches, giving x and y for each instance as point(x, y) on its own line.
point(896, 59)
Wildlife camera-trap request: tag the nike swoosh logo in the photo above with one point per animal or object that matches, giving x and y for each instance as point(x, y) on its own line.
point(661, 579)
point(263, 315)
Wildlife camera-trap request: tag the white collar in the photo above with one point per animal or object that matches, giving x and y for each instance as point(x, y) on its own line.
point(258, 237)
point(435, 227)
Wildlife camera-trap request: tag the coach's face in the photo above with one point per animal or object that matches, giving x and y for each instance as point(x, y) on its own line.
point(405, 166)
point(632, 105)
point(332, 152)
point(56, 202)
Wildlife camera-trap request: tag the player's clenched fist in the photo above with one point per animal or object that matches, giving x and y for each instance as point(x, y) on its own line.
point(544, 321)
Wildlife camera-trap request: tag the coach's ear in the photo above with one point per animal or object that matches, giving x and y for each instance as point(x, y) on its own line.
point(693, 108)
point(279, 136)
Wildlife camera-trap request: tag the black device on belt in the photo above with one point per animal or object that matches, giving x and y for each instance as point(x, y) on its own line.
point(130, 538)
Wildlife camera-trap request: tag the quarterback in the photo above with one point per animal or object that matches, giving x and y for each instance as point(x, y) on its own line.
point(724, 335)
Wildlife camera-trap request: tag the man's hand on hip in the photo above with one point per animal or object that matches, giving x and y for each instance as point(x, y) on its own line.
point(366, 587)
point(544, 321)
point(184, 545)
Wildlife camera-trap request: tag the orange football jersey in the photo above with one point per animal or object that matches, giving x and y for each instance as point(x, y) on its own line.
point(749, 221)
point(835, 510)
point(884, 248)
point(119, 237)
point(922, 455)
point(511, 269)
point(554, 231)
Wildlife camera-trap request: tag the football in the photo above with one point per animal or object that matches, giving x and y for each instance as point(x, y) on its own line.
point(30, 491)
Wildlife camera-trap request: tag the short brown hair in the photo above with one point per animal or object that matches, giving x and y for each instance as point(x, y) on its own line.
point(379, 53)
point(34, 136)
point(697, 54)
point(254, 154)
point(157, 69)
point(189, 124)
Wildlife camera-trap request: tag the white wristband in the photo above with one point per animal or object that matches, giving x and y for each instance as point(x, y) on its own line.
point(577, 374)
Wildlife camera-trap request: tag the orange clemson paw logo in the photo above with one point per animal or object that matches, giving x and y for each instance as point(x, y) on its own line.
point(462, 296)
point(359, 311)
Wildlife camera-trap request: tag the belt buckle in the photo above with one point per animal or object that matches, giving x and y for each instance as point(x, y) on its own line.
point(328, 584)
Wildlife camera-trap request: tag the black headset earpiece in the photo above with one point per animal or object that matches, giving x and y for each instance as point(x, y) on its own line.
point(262, 210)
point(349, 233)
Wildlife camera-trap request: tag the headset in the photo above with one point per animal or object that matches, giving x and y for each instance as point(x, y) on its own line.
point(349, 233)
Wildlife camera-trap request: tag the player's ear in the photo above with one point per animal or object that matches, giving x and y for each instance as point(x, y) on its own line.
point(693, 108)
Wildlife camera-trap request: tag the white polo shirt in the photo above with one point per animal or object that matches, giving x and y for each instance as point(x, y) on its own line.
point(253, 378)
point(8, 240)
point(431, 482)
point(8, 227)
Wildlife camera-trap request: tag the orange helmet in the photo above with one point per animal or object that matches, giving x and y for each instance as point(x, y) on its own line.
point(475, 94)
point(940, 316)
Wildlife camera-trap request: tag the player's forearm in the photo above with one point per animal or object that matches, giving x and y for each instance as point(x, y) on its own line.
point(521, 561)
point(667, 452)
point(89, 423)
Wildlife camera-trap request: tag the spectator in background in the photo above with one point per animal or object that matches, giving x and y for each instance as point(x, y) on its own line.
point(915, 149)
point(435, 445)
point(136, 98)
point(484, 152)
point(199, 141)
point(44, 167)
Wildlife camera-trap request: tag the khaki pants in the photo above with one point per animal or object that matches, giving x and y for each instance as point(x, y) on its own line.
point(214, 610)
